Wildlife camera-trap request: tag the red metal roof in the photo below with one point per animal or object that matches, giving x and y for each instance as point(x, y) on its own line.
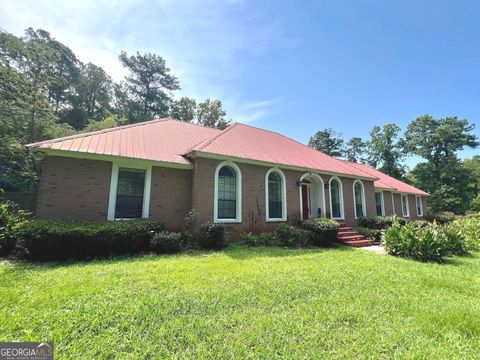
point(247, 142)
point(164, 140)
point(387, 182)
point(169, 140)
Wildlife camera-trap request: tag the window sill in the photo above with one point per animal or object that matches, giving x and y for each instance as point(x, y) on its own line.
point(276, 220)
point(227, 221)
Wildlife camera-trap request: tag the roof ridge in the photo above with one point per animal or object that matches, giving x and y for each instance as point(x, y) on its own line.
point(103, 131)
point(207, 142)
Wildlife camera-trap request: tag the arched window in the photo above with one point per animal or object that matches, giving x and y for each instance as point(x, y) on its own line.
point(227, 206)
point(359, 199)
point(336, 198)
point(275, 196)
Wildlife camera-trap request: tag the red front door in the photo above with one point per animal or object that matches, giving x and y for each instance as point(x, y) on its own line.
point(305, 202)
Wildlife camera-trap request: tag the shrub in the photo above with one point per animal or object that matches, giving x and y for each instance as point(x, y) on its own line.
point(372, 234)
point(11, 218)
point(292, 236)
point(166, 242)
point(57, 240)
point(428, 243)
point(250, 239)
point(324, 230)
point(211, 236)
point(379, 222)
point(188, 233)
point(457, 241)
point(441, 217)
point(470, 228)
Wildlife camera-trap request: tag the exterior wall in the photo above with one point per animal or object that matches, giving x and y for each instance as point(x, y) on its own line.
point(253, 196)
point(170, 197)
point(425, 205)
point(75, 189)
point(387, 203)
point(397, 199)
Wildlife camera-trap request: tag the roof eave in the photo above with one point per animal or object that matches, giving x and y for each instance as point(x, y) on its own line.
point(203, 154)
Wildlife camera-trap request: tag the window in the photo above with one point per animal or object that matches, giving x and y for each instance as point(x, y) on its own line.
point(129, 204)
point(275, 190)
point(359, 199)
point(418, 201)
point(336, 197)
point(405, 210)
point(129, 191)
point(227, 202)
point(379, 203)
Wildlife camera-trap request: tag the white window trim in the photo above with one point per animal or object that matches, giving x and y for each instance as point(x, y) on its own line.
point(381, 202)
point(421, 205)
point(112, 200)
point(408, 205)
point(238, 219)
point(284, 195)
point(342, 212)
point(364, 206)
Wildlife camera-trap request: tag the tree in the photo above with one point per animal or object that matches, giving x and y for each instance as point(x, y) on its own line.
point(355, 150)
point(25, 112)
point(327, 141)
point(211, 114)
point(184, 109)
point(473, 166)
point(443, 174)
point(385, 150)
point(95, 90)
point(437, 139)
point(149, 83)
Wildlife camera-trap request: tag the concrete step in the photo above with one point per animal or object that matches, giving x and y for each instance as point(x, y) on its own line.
point(347, 232)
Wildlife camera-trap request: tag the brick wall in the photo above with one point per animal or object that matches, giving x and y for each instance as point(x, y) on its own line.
point(253, 191)
point(170, 197)
point(387, 203)
point(74, 189)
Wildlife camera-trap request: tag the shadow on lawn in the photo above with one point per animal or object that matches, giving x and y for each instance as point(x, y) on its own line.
point(241, 252)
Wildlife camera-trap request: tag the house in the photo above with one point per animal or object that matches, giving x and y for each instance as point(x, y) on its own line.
point(246, 177)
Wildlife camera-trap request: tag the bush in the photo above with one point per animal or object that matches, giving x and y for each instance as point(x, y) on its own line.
point(59, 240)
point(441, 217)
point(379, 222)
point(247, 238)
point(324, 230)
point(166, 242)
point(457, 241)
point(428, 243)
point(469, 227)
point(291, 236)
point(372, 234)
point(211, 236)
point(11, 218)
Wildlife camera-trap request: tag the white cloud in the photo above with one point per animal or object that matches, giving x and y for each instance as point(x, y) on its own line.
point(208, 44)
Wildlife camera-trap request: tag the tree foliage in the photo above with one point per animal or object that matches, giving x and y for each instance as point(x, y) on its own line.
point(355, 150)
point(385, 150)
point(328, 142)
point(46, 92)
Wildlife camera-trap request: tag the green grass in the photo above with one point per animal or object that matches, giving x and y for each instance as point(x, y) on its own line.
point(246, 303)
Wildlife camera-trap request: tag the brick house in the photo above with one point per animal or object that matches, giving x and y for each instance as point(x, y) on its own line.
point(246, 177)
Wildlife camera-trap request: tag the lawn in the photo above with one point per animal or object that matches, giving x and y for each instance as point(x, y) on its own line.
point(246, 303)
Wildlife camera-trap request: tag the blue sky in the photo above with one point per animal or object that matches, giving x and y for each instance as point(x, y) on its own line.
point(290, 66)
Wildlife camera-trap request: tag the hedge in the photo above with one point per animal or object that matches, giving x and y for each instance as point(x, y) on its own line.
point(325, 230)
point(379, 222)
point(59, 240)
